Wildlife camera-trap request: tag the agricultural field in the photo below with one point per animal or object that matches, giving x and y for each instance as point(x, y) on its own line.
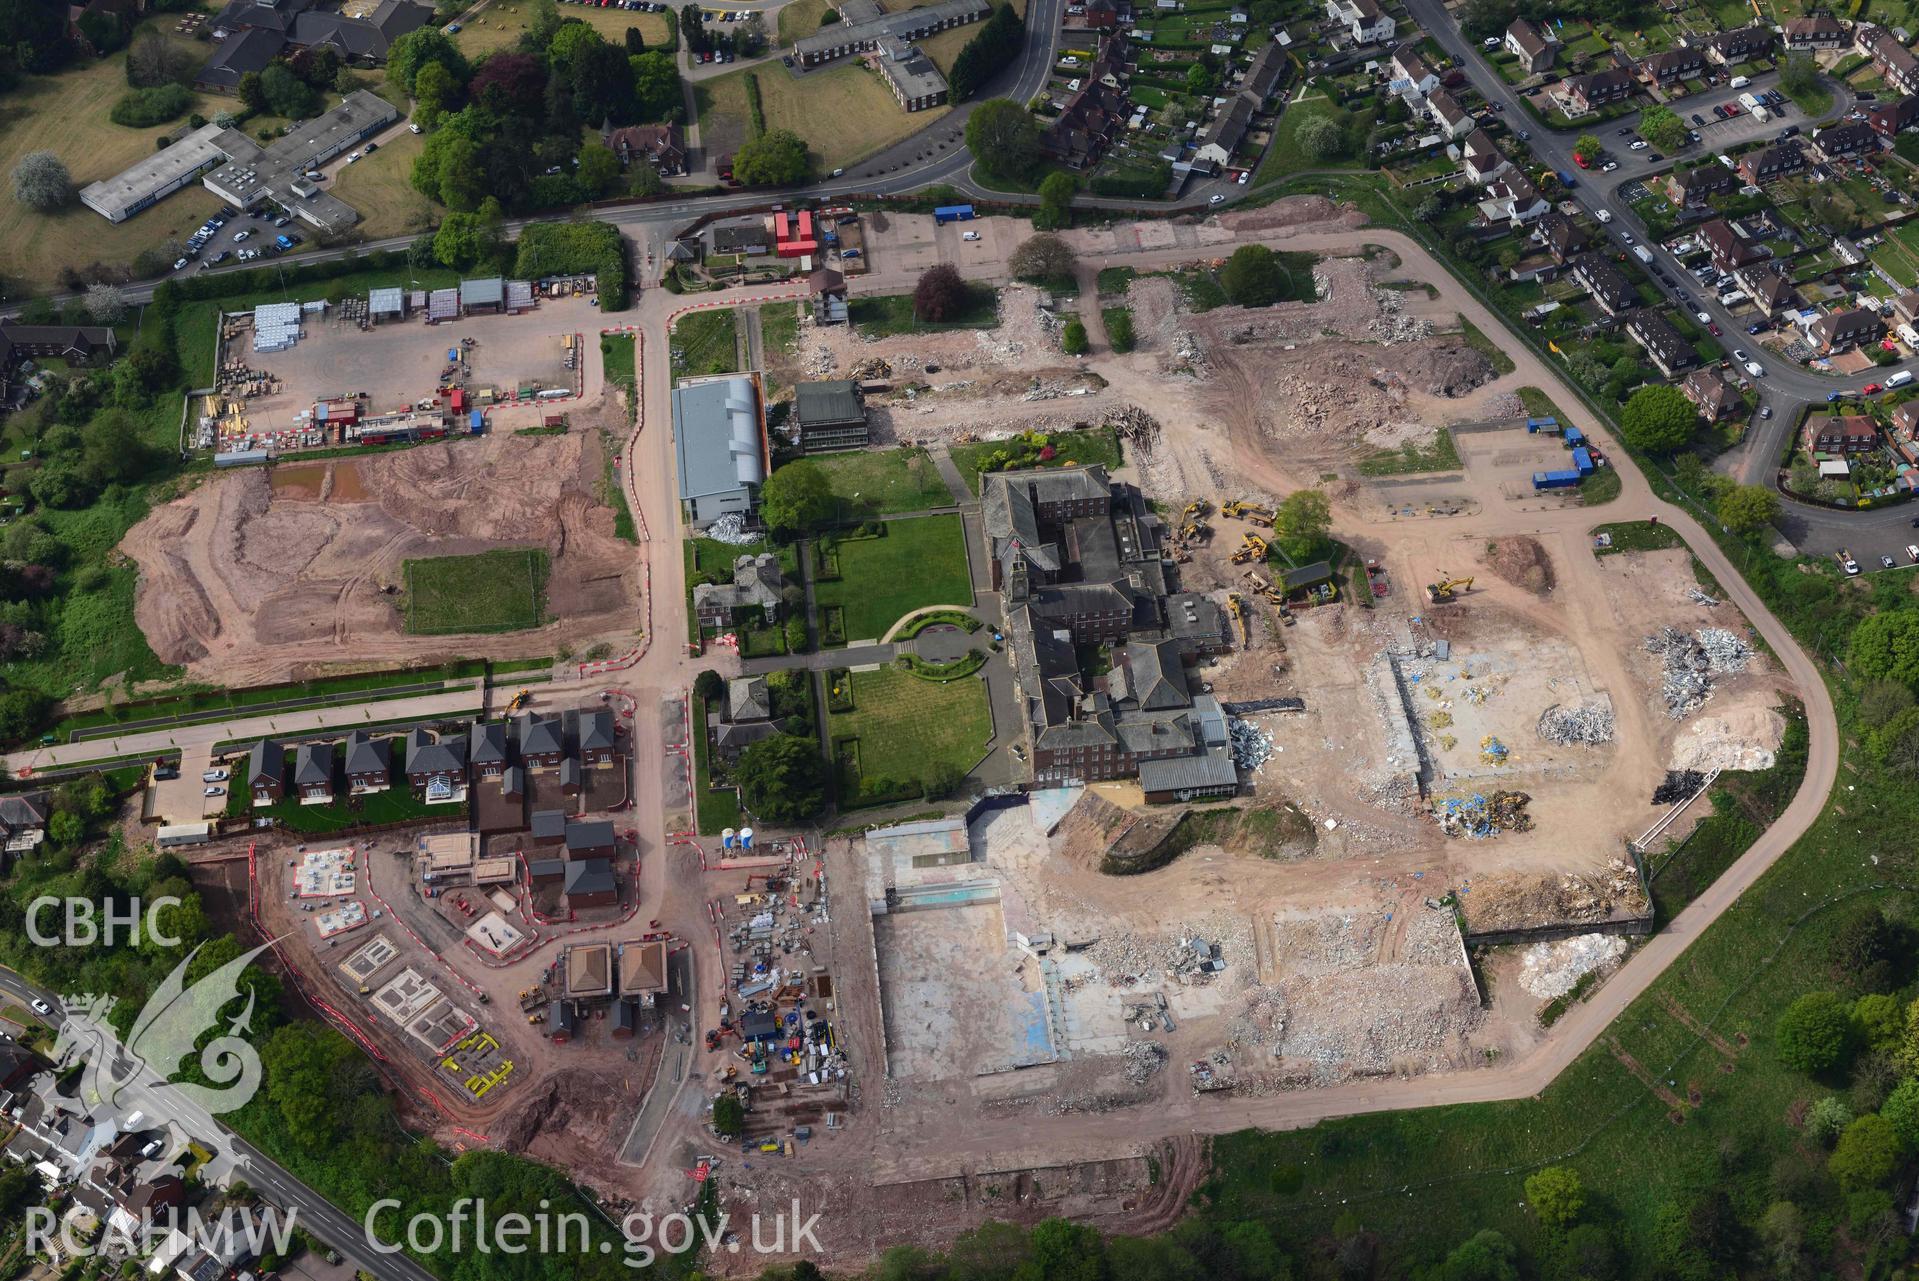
point(496, 591)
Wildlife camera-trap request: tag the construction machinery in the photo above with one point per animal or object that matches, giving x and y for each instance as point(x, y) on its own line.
point(1197, 508)
point(1447, 590)
point(1264, 588)
point(1251, 549)
point(519, 701)
point(1194, 531)
point(1237, 608)
point(1240, 509)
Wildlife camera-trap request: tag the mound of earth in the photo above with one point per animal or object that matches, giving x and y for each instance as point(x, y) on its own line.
point(1521, 561)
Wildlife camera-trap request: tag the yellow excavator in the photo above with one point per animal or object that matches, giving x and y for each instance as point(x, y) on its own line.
point(519, 701)
point(1195, 509)
point(1253, 548)
point(1447, 590)
point(1237, 608)
point(1194, 531)
point(1263, 588)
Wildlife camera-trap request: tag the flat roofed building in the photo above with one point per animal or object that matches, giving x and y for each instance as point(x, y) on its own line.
point(164, 172)
point(829, 415)
point(718, 441)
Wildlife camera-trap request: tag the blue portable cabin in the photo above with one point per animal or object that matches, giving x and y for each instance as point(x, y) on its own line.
point(476, 421)
point(1574, 438)
point(1555, 479)
point(1582, 460)
point(952, 213)
point(1548, 425)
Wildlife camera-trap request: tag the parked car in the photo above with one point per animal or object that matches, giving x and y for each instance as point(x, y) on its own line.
point(239, 236)
point(352, 157)
point(1698, 119)
point(1912, 552)
point(1637, 144)
point(1872, 389)
point(214, 776)
point(1604, 215)
point(1216, 199)
point(969, 235)
point(40, 1006)
point(1739, 354)
point(1609, 166)
point(1765, 411)
point(412, 128)
point(372, 147)
point(1712, 329)
point(216, 790)
point(1885, 562)
point(1846, 562)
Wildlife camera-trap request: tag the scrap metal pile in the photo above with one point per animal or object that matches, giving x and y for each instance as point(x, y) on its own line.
point(1679, 784)
point(1477, 817)
point(1588, 723)
point(1691, 662)
point(1251, 745)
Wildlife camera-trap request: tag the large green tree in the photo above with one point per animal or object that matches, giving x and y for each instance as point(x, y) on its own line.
point(796, 498)
point(1658, 419)
point(1748, 507)
point(782, 778)
point(1302, 522)
point(1814, 1033)
point(1004, 139)
point(1556, 1195)
point(774, 159)
point(1867, 1154)
point(417, 48)
point(1886, 647)
point(1662, 127)
point(1253, 276)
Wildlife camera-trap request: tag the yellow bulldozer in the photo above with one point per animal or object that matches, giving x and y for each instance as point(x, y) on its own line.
point(1447, 590)
point(1253, 548)
point(1195, 531)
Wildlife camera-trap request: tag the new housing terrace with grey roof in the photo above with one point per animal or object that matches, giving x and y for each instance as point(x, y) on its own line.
point(719, 441)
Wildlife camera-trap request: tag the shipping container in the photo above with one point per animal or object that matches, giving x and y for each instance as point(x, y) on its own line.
point(952, 213)
point(1547, 424)
point(1582, 460)
point(1555, 479)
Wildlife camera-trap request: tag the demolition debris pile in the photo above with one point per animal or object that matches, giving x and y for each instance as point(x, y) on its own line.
point(1547, 970)
point(1677, 786)
point(1478, 817)
point(1589, 723)
point(1251, 745)
point(1691, 662)
point(1143, 1059)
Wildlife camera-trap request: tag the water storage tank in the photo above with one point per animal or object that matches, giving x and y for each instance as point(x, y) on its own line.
point(726, 838)
point(746, 838)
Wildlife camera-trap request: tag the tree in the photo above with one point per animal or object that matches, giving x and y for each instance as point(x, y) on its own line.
point(1003, 138)
point(782, 779)
point(509, 82)
point(1867, 1154)
point(599, 170)
point(1814, 1033)
point(1798, 74)
point(997, 45)
point(1662, 127)
point(1119, 330)
point(1056, 192)
point(1895, 745)
point(693, 26)
point(774, 159)
point(656, 86)
point(1319, 138)
point(1485, 1256)
point(1201, 80)
point(1828, 1120)
point(1556, 1194)
point(416, 49)
point(1072, 338)
point(941, 294)
point(287, 94)
point(107, 304)
point(602, 82)
point(1482, 19)
point(635, 40)
point(729, 1115)
point(1867, 950)
point(1042, 257)
point(435, 92)
point(41, 182)
point(66, 830)
point(1301, 523)
point(1748, 507)
point(1658, 419)
point(1588, 147)
point(252, 94)
point(709, 685)
point(1253, 276)
point(942, 779)
point(796, 498)
point(1587, 1253)
point(156, 60)
point(1885, 646)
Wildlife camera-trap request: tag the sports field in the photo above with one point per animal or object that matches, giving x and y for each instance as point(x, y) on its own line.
point(499, 591)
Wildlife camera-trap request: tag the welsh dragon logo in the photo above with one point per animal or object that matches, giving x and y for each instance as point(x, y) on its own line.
point(167, 1031)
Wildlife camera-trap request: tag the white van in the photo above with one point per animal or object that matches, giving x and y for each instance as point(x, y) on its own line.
point(1738, 82)
point(1900, 379)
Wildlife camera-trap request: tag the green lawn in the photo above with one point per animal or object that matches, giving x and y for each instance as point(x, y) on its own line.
point(714, 810)
point(616, 355)
point(1284, 157)
point(900, 729)
point(395, 805)
point(497, 591)
point(1099, 445)
point(1440, 455)
point(706, 342)
point(915, 563)
point(779, 338)
point(888, 314)
point(882, 483)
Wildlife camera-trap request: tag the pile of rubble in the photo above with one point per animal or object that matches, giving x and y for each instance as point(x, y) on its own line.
point(1547, 970)
point(1134, 425)
point(1478, 816)
point(1251, 745)
point(1197, 955)
point(1392, 324)
point(1507, 901)
point(1690, 663)
point(731, 529)
point(1589, 723)
point(1143, 1059)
